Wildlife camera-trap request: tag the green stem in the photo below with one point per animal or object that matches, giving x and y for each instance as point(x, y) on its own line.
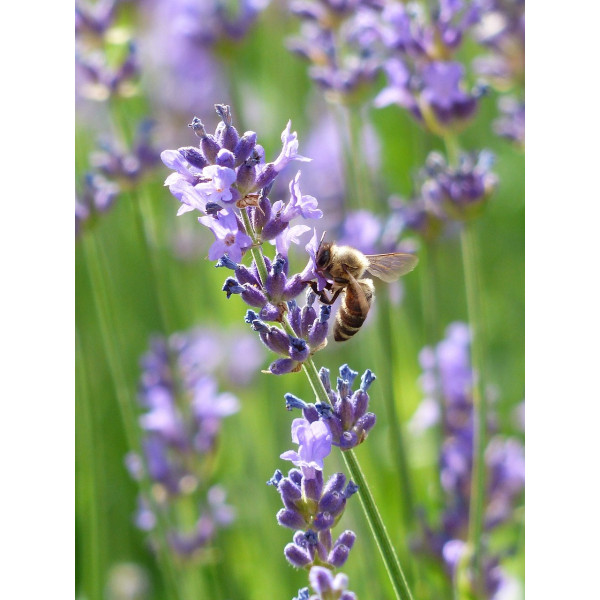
point(94, 549)
point(452, 148)
point(109, 332)
point(144, 218)
point(429, 286)
point(397, 444)
point(472, 284)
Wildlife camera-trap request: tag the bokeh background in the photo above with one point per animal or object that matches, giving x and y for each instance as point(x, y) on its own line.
point(141, 271)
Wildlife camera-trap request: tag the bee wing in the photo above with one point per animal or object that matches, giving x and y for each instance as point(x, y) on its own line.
point(388, 267)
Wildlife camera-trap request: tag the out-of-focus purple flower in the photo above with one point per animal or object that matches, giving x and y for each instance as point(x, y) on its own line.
point(434, 94)
point(183, 411)
point(97, 197)
point(99, 80)
point(511, 123)
point(314, 444)
point(408, 30)
point(340, 40)
point(127, 166)
point(423, 76)
point(229, 239)
point(502, 29)
point(447, 372)
point(459, 191)
point(361, 229)
point(94, 19)
point(446, 194)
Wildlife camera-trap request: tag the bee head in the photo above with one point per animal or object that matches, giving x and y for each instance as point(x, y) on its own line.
point(323, 256)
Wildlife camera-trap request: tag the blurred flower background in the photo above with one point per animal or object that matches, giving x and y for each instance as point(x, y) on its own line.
point(413, 117)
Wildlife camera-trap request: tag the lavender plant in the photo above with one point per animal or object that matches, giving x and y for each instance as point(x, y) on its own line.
point(339, 40)
point(447, 368)
point(113, 170)
point(227, 179)
point(181, 424)
point(313, 507)
point(107, 63)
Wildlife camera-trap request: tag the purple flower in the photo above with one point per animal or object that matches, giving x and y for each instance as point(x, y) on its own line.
point(314, 444)
point(328, 585)
point(289, 151)
point(229, 239)
point(448, 374)
point(311, 271)
point(340, 40)
point(217, 188)
point(182, 418)
point(361, 230)
point(299, 205)
point(442, 93)
point(511, 123)
point(346, 417)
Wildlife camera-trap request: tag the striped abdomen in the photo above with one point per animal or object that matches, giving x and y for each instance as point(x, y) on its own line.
point(353, 311)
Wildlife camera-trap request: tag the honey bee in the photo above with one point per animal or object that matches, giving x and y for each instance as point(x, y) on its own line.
point(346, 266)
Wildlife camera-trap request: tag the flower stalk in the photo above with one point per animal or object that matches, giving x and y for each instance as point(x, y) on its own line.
point(108, 332)
point(478, 484)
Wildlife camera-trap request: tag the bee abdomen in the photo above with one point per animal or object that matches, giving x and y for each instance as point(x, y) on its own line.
point(353, 310)
point(346, 324)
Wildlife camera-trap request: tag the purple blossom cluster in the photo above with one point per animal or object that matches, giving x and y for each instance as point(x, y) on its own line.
point(312, 508)
point(447, 194)
point(511, 122)
point(502, 30)
point(183, 412)
point(340, 41)
point(227, 179)
point(113, 170)
point(98, 77)
point(447, 372)
point(422, 75)
point(189, 41)
point(326, 586)
point(93, 20)
point(309, 328)
point(228, 171)
point(346, 416)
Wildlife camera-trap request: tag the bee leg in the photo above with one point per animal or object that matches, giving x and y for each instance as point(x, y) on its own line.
point(322, 295)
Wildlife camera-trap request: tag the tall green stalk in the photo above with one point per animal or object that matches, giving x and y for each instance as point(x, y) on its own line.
point(470, 259)
point(478, 484)
point(94, 546)
point(109, 332)
point(382, 538)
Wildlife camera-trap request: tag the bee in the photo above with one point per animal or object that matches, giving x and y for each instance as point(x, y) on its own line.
point(346, 266)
